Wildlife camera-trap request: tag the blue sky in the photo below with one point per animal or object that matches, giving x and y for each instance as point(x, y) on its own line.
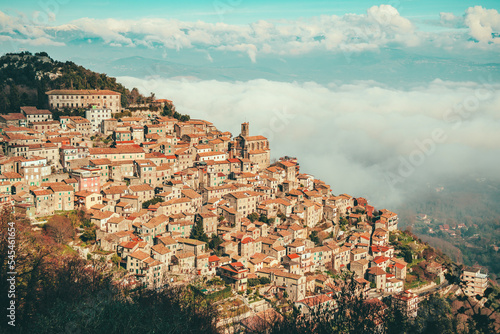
point(233, 11)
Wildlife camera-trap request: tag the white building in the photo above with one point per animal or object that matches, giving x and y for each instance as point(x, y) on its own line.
point(96, 116)
point(475, 281)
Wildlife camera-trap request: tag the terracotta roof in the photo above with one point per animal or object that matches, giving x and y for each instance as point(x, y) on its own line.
point(35, 111)
point(59, 188)
point(161, 249)
point(377, 271)
point(118, 150)
point(141, 187)
point(81, 92)
point(184, 255)
point(138, 254)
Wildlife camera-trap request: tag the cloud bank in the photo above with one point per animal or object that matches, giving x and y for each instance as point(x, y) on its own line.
point(381, 26)
point(365, 138)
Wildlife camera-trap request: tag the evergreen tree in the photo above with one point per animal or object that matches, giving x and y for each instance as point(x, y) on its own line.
point(314, 237)
point(215, 242)
point(14, 99)
point(253, 216)
point(198, 233)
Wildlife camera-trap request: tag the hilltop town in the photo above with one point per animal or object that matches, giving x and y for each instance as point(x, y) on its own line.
point(173, 201)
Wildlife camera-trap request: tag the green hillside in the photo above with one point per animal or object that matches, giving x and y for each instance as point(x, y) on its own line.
point(24, 79)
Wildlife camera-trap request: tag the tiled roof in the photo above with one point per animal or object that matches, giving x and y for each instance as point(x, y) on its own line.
point(81, 92)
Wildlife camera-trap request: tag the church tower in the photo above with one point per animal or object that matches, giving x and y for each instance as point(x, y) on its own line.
point(244, 129)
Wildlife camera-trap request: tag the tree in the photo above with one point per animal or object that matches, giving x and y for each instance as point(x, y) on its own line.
point(348, 312)
point(314, 237)
point(198, 233)
point(263, 218)
point(253, 216)
point(88, 234)
point(407, 254)
point(60, 229)
point(434, 316)
point(14, 99)
point(168, 110)
point(184, 118)
point(264, 280)
point(343, 223)
point(215, 242)
point(152, 201)
point(116, 260)
point(253, 281)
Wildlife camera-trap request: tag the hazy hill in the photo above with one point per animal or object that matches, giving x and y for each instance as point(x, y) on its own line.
point(469, 208)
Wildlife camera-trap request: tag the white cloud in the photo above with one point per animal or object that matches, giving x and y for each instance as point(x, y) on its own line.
point(387, 15)
point(483, 23)
point(380, 27)
point(450, 20)
point(22, 31)
point(354, 136)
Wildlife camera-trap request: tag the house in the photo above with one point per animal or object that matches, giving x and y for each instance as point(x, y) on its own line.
point(117, 224)
point(86, 199)
point(64, 198)
point(311, 304)
point(397, 267)
point(148, 271)
point(475, 281)
point(209, 221)
point(196, 247)
point(100, 218)
point(358, 254)
point(236, 274)
point(88, 178)
point(186, 262)
point(389, 219)
point(294, 285)
point(377, 276)
point(161, 253)
point(44, 202)
point(359, 267)
point(34, 115)
point(407, 303)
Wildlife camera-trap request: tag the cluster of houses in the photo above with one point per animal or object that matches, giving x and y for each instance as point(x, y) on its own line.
point(161, 177)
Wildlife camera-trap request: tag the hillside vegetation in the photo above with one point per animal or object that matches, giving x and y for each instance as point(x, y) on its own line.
point(24, 79)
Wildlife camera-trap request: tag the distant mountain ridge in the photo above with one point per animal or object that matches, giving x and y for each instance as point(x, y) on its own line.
point(388, 66)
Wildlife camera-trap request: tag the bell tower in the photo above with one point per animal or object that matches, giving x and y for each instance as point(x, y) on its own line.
point(244, 129)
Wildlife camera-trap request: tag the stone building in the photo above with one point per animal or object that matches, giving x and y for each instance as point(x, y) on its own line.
point(34, 115)
point(71, 98)
point(254, 148)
